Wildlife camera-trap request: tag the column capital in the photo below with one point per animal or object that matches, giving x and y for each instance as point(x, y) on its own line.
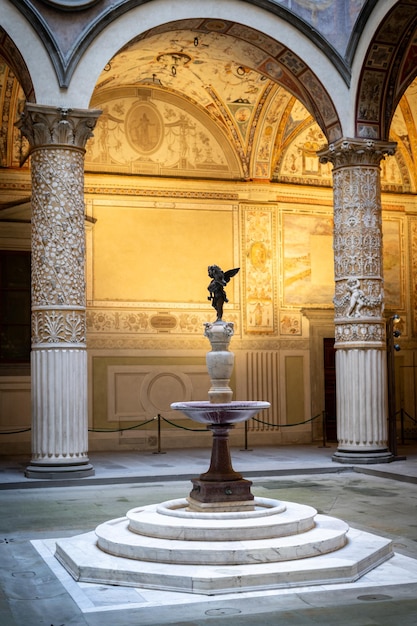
point(44, 125)
point(357, 151)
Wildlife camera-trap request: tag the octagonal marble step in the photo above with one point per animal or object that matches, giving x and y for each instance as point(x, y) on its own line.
point(270, 519)
point(86, 562)
point(270, 534)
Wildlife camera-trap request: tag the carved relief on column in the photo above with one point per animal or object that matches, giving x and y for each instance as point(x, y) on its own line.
point(57, 137)
point(59, 363)
point(359, 289)
point(58, 248)
point(359, 301)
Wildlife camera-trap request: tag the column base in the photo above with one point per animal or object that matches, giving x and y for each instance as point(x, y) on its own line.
point(48, 471)
point(365, 457)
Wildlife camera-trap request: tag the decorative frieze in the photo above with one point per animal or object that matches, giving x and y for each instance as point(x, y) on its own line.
point(360, 333)
point(57, 327)
point(146, 322)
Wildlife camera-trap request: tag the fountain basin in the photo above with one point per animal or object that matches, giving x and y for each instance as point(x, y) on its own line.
point(225, 413)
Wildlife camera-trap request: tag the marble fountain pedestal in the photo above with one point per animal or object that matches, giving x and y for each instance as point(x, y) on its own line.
point(222, 539)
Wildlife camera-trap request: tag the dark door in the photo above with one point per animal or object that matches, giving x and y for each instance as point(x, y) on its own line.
point(330, 388)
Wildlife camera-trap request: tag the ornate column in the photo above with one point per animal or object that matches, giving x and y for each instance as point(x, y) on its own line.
point(361, 364)
point(59, 360)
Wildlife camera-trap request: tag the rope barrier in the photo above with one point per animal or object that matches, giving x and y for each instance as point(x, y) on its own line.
point(194, 430)
point(255, 419)
point(120, 430)
point(200, 430)
point(15, 432)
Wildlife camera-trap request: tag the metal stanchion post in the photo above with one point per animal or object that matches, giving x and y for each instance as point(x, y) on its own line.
point(392, 347)
point(402, 427)
point(324, 426)
point(246, 449)
point(159, 437)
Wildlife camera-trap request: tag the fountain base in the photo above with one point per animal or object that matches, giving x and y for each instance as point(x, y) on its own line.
point(170, 547)
point(221, 496)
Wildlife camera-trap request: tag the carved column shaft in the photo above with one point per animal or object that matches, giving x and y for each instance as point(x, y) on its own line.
point(59, 360)
point(361, 381)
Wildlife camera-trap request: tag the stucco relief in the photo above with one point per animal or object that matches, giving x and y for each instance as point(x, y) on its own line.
point(144, 128)
point(158, 133)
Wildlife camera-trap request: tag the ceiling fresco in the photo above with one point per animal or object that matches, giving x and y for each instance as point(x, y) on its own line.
point(333, 19)
point(213, 99)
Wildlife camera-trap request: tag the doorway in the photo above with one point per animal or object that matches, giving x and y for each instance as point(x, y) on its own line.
point(329, 357)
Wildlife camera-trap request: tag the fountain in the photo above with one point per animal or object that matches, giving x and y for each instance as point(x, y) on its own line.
point(221, 538)
point(220, 488)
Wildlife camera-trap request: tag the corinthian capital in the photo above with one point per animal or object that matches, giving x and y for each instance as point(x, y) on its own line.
point(356, 152)
point(45, 125)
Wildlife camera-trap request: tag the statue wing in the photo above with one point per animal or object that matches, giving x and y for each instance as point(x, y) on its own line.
point(230, 273)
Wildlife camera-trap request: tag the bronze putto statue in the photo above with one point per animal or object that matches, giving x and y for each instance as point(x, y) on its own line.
point(219, 280)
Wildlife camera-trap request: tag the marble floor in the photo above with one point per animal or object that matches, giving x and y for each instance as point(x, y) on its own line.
point(36, 590)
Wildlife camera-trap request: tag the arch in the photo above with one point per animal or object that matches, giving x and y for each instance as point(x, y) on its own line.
point(10, 53)
point(388, 69)
point(65, 61)
point(323, 90)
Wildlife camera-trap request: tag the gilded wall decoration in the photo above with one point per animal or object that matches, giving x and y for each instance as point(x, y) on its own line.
point(307, 259)
point(159, 253)
point(393, 261)
point(259, 269)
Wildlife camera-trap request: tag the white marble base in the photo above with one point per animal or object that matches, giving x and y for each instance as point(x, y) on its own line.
point(302, 552)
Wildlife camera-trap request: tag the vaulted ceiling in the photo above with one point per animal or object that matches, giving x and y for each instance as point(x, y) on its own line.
point(207, 80)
